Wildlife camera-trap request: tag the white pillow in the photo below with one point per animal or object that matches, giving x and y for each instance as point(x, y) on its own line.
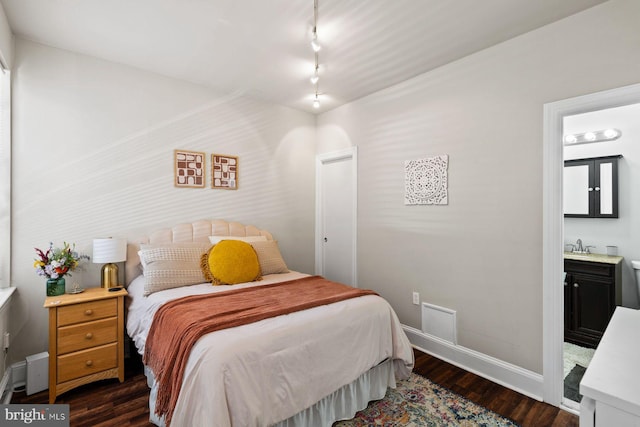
point(248, 239)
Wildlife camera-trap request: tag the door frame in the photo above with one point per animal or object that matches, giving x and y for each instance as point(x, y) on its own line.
point(553, 225)
point(321, 159)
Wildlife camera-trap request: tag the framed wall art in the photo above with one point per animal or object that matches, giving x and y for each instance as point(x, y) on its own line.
point(224, 172)
point(189, 168)
point(425, 181)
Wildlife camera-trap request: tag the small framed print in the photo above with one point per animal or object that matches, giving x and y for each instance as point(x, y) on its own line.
point(189, 167)
point(224, 172)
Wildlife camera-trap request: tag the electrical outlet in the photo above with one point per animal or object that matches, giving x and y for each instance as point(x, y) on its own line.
point(6, 340)
point(416, 298)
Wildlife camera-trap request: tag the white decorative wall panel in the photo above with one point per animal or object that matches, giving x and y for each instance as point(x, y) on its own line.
point(426, 181)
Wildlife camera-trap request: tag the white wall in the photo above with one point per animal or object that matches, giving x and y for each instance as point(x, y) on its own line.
point(624, 231)
point(93, 157)
point(6, 40)
point(482, 253)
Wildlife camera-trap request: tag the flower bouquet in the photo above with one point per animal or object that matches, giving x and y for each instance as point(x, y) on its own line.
point(55, 263)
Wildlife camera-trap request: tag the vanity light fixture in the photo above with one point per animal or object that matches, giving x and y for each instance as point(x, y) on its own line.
point(593, 136)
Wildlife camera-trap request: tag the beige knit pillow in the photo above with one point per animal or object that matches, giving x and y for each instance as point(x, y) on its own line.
point(269, 257)
point(171, 265)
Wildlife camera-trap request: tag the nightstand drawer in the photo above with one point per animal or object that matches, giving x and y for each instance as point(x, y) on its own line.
point(85, 362)
point(86, 335)
point(87, 311)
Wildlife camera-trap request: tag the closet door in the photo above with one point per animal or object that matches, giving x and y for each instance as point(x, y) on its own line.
point(336, 228)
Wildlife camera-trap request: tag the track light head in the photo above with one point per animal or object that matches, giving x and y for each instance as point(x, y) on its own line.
point(315, 45)
point(314, 79)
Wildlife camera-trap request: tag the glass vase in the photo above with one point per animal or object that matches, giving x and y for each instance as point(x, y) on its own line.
point(55, 287)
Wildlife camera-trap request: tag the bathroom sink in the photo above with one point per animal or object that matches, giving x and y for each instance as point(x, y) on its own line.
point(609, 259)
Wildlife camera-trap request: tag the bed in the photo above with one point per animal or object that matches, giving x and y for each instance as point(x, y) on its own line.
point(305, 368)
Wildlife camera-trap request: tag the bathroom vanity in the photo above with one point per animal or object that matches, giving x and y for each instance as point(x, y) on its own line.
point(611, 385)
point(592, 290)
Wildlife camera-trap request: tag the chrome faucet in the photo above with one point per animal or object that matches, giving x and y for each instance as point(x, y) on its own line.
point(579, 249)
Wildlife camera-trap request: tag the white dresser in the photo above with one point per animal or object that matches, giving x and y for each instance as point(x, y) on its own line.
point(611, 384)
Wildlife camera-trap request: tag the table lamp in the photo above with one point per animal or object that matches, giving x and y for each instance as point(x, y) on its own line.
point(109, 251)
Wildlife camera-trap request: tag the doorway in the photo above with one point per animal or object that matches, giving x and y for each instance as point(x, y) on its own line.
point(605, 229)
point(336, 216)
point(553, 226)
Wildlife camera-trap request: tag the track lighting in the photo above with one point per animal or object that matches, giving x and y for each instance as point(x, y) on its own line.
point(316, 48)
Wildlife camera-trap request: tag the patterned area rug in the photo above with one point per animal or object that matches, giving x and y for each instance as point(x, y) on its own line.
point(418, 402)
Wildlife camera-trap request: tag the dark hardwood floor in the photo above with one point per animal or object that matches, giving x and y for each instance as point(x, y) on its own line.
point(523, 410)
point(109, 403)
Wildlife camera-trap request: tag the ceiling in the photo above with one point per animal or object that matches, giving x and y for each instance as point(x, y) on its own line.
point(261, 48)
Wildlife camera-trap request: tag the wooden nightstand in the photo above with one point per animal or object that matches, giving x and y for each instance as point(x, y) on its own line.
point(86, 338)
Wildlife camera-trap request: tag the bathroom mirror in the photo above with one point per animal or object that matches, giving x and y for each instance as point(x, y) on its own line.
point(576, 188)
point(591, 187)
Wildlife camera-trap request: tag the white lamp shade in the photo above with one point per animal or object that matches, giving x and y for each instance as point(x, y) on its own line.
point(109, 250)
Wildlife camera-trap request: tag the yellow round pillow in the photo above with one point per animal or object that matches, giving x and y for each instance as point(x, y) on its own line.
point(229, 262)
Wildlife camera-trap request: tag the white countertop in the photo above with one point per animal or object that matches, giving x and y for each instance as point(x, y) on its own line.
point(613, 376)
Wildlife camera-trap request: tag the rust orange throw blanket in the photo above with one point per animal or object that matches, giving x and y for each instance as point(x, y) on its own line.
point(178, 324)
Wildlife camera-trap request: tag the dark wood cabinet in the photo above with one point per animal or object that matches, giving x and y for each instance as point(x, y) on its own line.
point(591, 292)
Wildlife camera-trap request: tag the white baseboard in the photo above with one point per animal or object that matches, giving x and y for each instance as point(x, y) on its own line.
point(511, 376)
point(5, 384)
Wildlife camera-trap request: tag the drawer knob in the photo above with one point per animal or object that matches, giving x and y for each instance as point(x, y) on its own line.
point(89, 363)
point(88, 312)
point(575, 285)
point(89, 335)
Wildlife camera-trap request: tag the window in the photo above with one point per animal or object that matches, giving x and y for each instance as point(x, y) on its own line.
point(5, 178)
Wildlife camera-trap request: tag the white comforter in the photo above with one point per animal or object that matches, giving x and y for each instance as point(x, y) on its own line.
point(265, 372)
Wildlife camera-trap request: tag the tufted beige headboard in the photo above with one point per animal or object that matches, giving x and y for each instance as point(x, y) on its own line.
point(198, 231)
